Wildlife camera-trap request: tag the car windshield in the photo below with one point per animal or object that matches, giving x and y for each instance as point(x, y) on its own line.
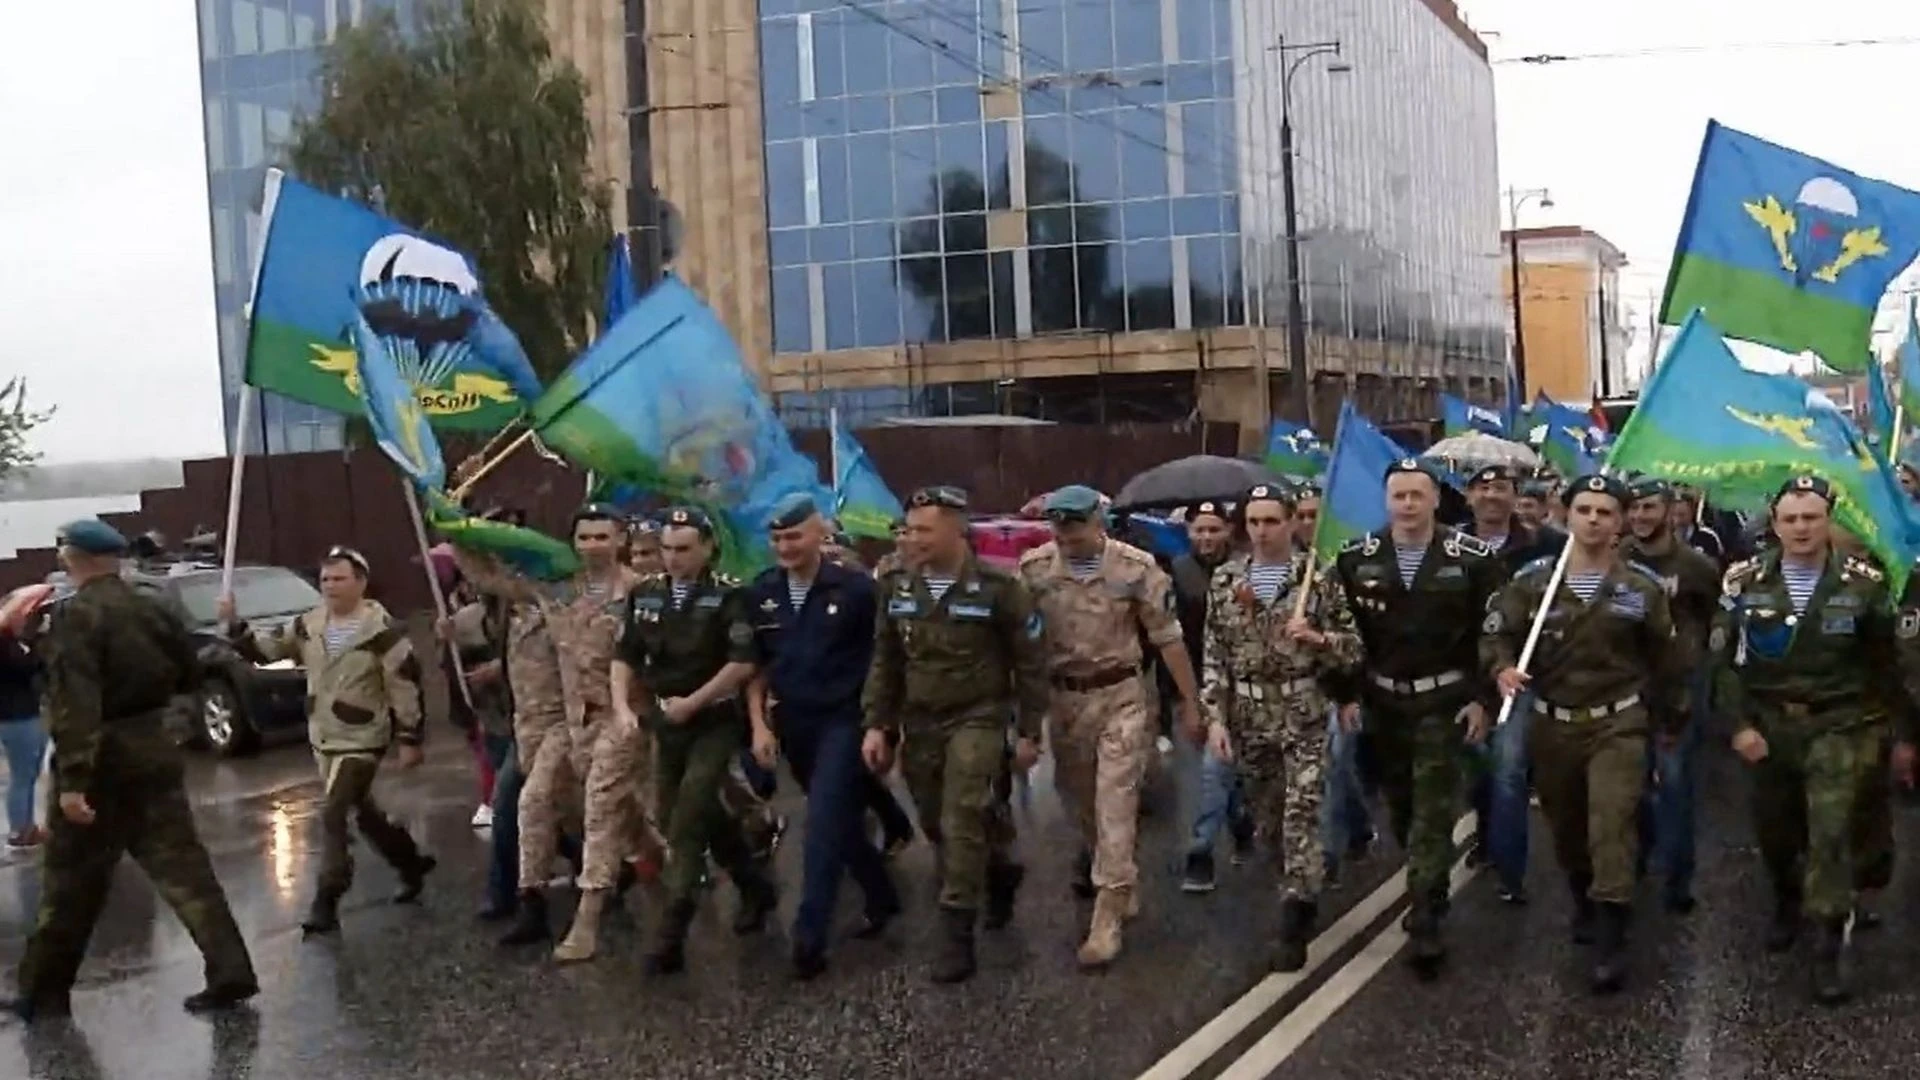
point(261, 592)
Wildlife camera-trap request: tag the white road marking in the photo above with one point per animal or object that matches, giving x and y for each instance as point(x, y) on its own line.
point(1299, 1025)
point(1187, 1058)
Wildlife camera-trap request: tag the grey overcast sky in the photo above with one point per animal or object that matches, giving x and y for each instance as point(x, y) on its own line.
point(106, 301)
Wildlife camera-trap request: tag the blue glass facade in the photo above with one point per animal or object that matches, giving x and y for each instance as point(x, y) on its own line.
point(940, 170)
point(259, 69)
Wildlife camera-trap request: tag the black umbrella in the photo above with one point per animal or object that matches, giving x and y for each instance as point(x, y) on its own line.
point(1191, 480)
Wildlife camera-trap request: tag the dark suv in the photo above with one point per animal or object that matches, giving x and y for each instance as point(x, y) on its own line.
point(241, 703)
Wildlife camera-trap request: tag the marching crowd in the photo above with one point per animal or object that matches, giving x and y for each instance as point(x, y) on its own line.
point(1566, 643)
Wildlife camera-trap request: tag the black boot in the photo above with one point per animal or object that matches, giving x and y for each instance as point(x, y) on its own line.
point(955, 961)
point(222, 997)
point(668, 955)
point(1296, 929)
point(1785, 928)
point(530, 925)
point(1610, 947)
point(414, 878)
point(1003, 887)
point(1829, 962)
point(1583, 910)
point(759, 900)
point(1429, 948)
point(324, 916)
point(1083, 875)
point(31, 1009)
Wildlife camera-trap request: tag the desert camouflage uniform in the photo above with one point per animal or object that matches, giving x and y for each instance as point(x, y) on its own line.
point(1272, 695)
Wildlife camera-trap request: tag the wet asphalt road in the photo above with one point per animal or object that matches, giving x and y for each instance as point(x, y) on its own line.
point(424, 992)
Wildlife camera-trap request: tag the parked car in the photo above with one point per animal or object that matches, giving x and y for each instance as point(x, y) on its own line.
point(241, 704)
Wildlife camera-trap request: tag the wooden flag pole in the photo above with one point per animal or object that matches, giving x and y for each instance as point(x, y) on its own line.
point(440, 612)
point(460, 493)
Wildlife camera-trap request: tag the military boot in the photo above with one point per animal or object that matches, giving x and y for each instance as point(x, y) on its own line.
point(1610, 947)
point(668, 955)
point(955, 961)
point(1784, 930)
point(1830, 960)
point(583, 937)
point(759, 900)
point(1296, 930)
point(324, 916)
point(1003, 887)
point(1083, 875)
point(1429, 947)
point(1583, 910)
point(530, 925)
point(1103, 934)
point(414, 878)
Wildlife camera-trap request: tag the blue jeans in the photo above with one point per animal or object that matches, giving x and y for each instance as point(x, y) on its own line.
point(824, 754)
point(1667, 809)
point(1344, 818)
point(1504, 802)
point(503, 868)
point(26, 747)
point(1221, 802)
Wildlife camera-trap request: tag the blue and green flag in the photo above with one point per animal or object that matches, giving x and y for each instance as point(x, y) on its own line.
point(1459, 416)
point(327, 264)
point(1705, 421)
point(393, 410)
point(862, 502)
point(1354, 502)
point(529, 551)
point(1787, 250)
point(1880, 412)
point(1906, 371)
point(1294, 450)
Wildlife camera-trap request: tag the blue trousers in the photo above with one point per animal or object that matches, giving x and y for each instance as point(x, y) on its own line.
point(1343, 810)
point(1221, 802)
point(503, 868)
point(1501, 794)
point(824, 754)
point(1667, 808)
point(26, 747)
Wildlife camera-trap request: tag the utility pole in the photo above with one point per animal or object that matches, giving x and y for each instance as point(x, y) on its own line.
point(1299, 378)
point(1516, 199)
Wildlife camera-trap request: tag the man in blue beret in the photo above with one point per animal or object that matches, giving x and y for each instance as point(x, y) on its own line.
point(813, 643)
point(118, 778)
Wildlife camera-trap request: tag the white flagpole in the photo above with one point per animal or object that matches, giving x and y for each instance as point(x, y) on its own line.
point(249, 394)
point(433, 584)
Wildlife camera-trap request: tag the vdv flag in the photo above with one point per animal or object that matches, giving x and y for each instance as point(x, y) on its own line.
point(1907, 371)
point(863, 504)
point(393, 410)
point(1354, 502)
point(1784, 249)
point(329, 262)
point(1705, 421)
point(1879, 410)
point(1459, 416)
point(621, 293)
point(1294, 450)
point(533, 553)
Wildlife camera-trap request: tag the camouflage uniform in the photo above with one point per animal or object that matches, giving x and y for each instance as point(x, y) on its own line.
point(114, 661)
point(360, 700)
point(1272, 695)
point(1423, 667)
point(1804, 682)
point(1602, 668)
point(1103, 730)
point(946, 673)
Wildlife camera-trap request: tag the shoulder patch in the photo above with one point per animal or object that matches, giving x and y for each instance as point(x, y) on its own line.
point(1472, 545)
point(1866, 568)
point(726, 581)
point(1544, 562)
point(1358, 543)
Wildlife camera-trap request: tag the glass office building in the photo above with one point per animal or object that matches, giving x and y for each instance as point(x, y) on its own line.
point(259, 69)
point(961, 169)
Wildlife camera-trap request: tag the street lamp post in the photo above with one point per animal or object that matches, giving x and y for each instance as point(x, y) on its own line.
point(1516, 200)
point(1299, 379)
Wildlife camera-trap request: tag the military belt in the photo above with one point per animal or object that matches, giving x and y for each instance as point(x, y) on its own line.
point(1099, 680)
point(1595, 712)
point(1261, 691)
point(1423, 685)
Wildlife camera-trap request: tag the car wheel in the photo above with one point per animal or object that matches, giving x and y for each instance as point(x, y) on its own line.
point(223, 721)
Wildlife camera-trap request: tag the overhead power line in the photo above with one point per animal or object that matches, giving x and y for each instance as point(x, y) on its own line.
point(1543, 59)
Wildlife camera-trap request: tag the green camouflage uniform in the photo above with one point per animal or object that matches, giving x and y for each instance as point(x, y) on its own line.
point(1272, 696)
point(1803, 682)
point(114, 662)
point(1602, 667)
point(1423, 667)
point(946, 673)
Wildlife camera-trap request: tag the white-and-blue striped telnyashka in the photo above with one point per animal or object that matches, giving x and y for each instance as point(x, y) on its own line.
point(1585, 583)
point(338, 633)
point(938, 584)
point(1801, 581)
point(1269, 579)
point(681, 590)
point(797, 591)
point(1409, 559)
point(1084, 567)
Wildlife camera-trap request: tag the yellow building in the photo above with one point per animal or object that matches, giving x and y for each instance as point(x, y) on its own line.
point(1575, 344)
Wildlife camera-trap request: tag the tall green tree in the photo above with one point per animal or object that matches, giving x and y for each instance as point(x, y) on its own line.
point(17, 421)
point(467, 127)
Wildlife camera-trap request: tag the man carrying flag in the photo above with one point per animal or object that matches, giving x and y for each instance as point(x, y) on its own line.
point(1607, 663)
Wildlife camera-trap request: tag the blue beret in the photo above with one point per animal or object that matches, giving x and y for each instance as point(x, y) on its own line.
point(1649, 487)
point(791, 510)
point(687, 517)
point(1074, 500)
point(1806, 483)
point(1597, 484)
point(92, 536)
point(1411, 465)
